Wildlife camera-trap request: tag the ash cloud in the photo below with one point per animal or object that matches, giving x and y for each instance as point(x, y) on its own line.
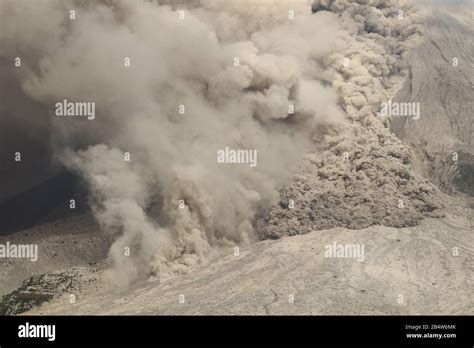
point(190, 62)
point(361, 174)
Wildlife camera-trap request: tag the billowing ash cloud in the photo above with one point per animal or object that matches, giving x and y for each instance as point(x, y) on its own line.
point(361, 176)
point(189, 64)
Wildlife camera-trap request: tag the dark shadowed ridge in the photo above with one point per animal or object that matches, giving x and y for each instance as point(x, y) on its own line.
point(45, 202)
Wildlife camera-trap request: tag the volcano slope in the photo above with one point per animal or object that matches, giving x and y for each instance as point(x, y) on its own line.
point(442, 80)
point(405, 271)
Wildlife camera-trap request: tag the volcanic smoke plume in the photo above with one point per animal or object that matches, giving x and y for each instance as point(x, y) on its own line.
point(208, 75)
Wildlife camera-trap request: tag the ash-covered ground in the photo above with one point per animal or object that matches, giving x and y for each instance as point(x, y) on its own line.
point(350, 209)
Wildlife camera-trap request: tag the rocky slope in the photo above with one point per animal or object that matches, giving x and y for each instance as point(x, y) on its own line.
point(415, 262)
point(70, 241)
point(442, 81)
